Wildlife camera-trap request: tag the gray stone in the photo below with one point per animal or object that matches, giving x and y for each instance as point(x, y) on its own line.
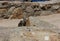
point(37, 13)
point(29, 9)
point(44, 13)
point(30, 34)
point(55, 6)
point(10, 10)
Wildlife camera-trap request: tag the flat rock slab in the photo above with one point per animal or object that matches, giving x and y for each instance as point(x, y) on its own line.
point(27, 34)
point(35, 21)
point(30, 34)
point(53, 19)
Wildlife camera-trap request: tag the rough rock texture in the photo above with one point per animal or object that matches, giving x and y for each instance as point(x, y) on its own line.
point(27, 34)
point(17, 13)
point(31, 34)
point(37, 28)
point(45, 13)
point(2, 12)
point(37, 31)
point(30, 9)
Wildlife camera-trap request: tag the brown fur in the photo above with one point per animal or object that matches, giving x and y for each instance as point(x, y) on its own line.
point(28, 22)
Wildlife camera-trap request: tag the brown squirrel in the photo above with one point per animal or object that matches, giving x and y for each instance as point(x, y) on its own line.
point(24, 22)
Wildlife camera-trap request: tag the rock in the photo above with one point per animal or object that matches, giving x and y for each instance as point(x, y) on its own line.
point(58, 11)
point(3, 11)
point(29, 10)
point(55, 6)
point(31, 34)
point(35, 6)
point(35, 21)
point(5, 3)
point(27, 4)
point(17, 13)
point(10, 10)
point(23, 6)
point(46, 7)
point(36, 9)
point(44, 13)
point(37, 13)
